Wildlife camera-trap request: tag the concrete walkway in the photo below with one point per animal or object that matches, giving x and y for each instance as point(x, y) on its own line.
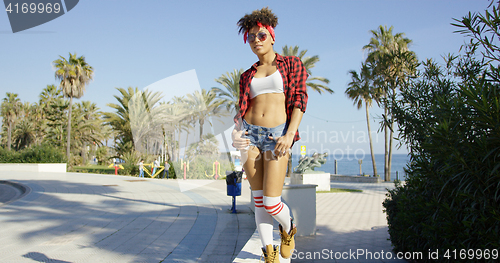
point(105, 218)
point(8, 192)
point(351, 227)
point(102, 218)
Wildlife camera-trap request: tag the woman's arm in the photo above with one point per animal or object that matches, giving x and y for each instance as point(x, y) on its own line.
point(284, 143)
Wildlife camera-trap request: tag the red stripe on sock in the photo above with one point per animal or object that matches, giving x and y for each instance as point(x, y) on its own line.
point(278, 210)
point(258, 201)
point(272, 207)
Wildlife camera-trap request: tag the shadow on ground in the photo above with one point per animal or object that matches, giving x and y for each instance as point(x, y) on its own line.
point(354, 246)
point(152, 225)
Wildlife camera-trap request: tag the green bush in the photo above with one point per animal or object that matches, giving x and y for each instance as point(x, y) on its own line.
point(450, 119)
point(38, 154)
point(95, 170)
point(130, 166)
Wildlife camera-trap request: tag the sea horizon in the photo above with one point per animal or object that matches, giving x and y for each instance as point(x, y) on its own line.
point(349, 165)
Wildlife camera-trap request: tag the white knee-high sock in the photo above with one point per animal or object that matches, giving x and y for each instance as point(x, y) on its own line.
point(263, 220)
point(278, 210)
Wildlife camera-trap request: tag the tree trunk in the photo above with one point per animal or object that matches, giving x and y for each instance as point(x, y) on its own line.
point(202, 121)
point(390, 152)
point(179, 145)
point(389, 162)
point(371, 142)
point(186, 147)
point(170, 146)
point(69, 128)
point(9, 136)
point(386, 150)
point(84, 154)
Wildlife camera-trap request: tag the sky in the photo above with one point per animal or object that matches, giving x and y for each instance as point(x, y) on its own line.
point(186, 45)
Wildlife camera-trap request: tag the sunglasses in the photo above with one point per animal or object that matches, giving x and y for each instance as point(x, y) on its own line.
point(262, 36)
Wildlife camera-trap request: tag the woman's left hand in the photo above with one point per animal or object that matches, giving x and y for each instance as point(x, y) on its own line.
point(283, 144)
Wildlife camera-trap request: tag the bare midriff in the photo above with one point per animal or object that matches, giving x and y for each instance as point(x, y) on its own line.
point(267, 110)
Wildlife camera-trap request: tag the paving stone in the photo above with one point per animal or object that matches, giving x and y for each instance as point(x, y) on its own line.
point(103, 218)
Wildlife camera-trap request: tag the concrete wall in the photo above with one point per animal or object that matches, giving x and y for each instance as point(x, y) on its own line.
point(301, 199)
point(34, 167)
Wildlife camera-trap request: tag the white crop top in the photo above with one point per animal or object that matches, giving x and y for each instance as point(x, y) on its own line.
point(270, 84)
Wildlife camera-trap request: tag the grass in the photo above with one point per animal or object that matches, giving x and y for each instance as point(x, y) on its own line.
point(102, 167)
point(340, 190)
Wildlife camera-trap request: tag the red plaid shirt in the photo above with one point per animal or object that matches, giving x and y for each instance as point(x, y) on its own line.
point(294, 77)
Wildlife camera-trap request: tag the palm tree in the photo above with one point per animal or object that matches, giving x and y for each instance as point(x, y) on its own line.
point(48, 95)
point(119, 119)
point(393, 63)
point(145, 121)
point(133, 119)
point(177, 112)
point(209, 146)
point(87, 125)
point(24, 134)
point(309, 63)
point(10, 110)
point(107, 133)
point(230, 96)
point(361, 89)
point(186, 124)
point(74, 74)
point(204, 105)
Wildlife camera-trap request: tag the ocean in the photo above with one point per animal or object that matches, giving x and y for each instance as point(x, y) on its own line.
point(348, 165)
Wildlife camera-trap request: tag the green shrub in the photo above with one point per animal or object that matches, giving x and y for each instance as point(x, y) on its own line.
point(37, 154)
point(130, 166)
point(94, 170)
point(450, 119)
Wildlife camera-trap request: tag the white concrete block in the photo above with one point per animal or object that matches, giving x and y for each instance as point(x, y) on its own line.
point(34, 167)
point(322, 180)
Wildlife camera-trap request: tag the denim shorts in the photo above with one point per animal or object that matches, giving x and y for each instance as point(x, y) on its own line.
point(259, 136)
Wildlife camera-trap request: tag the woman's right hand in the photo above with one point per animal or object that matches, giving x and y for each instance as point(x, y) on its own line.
point(239, 142)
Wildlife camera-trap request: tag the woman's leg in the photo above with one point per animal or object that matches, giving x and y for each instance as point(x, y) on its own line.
point(274, 177)
point(253, 165)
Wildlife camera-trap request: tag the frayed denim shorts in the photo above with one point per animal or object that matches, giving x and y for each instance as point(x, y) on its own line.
point(259, 136)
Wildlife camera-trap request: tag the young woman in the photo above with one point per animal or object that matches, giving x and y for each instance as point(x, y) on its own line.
point(273, 98)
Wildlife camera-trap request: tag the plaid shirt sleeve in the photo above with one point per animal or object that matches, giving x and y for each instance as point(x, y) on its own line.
point(299, 84)
point(243, 98)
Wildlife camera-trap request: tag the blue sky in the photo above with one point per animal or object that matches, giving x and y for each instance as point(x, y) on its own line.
point(137, 43)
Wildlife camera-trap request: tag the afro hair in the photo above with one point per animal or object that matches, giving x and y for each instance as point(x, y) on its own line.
point(264, 16)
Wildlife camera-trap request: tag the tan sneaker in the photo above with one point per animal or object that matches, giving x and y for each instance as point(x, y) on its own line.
point(271, 254)
point(287, 240)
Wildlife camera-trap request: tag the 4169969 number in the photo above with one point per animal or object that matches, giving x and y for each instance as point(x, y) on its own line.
point(471, 254)
point(32, 8)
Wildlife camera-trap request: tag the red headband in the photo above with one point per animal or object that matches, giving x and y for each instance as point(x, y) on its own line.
point(269, 28)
